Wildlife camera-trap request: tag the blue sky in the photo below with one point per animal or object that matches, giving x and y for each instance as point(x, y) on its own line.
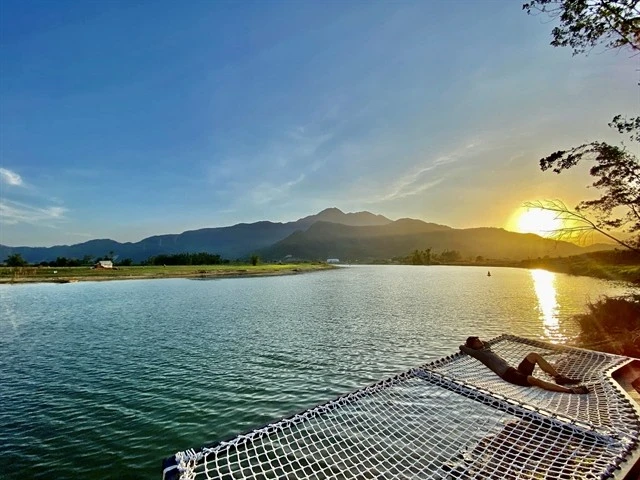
point(127, 119)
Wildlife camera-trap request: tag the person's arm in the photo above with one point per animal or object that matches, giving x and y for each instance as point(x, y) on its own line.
point(480, 355)
point(467, 350)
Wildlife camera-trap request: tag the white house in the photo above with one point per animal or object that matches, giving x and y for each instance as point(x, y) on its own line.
point(104, 264)
point(333, 260)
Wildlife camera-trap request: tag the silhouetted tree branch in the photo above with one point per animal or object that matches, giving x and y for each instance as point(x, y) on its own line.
point(617, 173)
point(576, 225)
point(586, 23)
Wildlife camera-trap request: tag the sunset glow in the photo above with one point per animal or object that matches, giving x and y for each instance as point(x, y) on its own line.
point(324, 104)
point(538, 221)
point(545, 288)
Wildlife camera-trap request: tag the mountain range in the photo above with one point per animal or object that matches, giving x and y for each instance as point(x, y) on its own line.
point(361, 236)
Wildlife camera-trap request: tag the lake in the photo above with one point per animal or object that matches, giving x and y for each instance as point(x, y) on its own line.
point(104, 379)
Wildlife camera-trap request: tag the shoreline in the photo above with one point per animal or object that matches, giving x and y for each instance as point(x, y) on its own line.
point(204, 274)
point(79, 274)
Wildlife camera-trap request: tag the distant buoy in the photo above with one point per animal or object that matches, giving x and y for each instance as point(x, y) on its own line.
point(488, 274)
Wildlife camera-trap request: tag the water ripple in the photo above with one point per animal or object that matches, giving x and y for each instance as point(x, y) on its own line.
point(103, 380)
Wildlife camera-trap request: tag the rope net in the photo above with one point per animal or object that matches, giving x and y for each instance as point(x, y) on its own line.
point(452, 418)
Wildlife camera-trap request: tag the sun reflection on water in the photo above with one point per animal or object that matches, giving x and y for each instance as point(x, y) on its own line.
point(544, 284)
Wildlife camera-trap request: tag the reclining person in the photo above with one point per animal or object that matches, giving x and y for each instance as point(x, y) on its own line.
point(523, 374)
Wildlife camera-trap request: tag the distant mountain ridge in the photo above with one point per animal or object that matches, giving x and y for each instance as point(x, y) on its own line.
point(231, 242)
point(335, 215)
point(400, 238)
point(360, 236)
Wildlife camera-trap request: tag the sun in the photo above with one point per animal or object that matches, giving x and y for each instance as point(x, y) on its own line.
point(539, 221)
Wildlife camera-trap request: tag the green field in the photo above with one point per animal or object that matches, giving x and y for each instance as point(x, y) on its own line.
point(65, 274)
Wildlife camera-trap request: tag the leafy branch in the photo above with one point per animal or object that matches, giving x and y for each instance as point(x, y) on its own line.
point(586, 23)
point(576, 226)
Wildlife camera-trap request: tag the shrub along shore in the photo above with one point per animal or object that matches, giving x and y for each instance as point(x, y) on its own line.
point(612, 324)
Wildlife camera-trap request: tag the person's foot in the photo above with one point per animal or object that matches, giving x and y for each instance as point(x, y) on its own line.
point(562, 380)
point(580, 389)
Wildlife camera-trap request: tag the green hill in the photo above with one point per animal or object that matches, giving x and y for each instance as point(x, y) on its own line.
point(398, 239)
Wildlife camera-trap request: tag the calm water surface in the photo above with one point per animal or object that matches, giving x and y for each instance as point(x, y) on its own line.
point(104, 379)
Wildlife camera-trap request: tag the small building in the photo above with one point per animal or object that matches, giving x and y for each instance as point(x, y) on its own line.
point(104, 264)
point(333, 260)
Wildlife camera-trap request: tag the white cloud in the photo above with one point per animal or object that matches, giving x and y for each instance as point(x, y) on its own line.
point(416, 181)
point(515, 158)
point(82, 234)
point(301, 144)
point(293, 151)
point(266, 192)
point(426, 173)
point(271, 173)
point(414, 189)
point(12, 213)
point(9, 177)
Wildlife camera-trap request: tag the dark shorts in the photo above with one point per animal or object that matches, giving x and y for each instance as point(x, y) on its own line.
point(519, 376)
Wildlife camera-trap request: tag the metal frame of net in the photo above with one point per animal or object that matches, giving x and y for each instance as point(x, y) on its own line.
point(451, 418)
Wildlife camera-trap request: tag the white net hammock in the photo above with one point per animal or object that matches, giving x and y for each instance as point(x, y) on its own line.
point(452, 418)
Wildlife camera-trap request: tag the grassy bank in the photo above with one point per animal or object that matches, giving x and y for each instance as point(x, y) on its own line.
point(612, 324)
point(612, 265)
point(71, 274)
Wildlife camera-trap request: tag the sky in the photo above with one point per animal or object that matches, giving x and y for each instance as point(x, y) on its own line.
point(128, 119)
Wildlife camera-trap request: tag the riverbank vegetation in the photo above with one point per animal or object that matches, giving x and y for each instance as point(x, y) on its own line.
point(200, 258)
point(27, 274)
point(612, 324)
point(608, 264)
point(611, 265)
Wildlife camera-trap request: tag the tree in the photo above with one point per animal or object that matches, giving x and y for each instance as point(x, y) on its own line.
point(60, 262)
point(420, 257)
point(450, 256)
point(587, 23)
point(202, 258)
point(583, 25)
point(15, 260)
point(618, 177)
point(254, 260)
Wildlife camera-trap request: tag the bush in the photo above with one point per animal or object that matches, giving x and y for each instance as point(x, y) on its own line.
point(15, 260)
point(613, 324)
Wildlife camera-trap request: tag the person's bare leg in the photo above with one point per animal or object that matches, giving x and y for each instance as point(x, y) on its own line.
point(547, 385)
point(553, 387)
point(542, 363)
point(536, 358)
